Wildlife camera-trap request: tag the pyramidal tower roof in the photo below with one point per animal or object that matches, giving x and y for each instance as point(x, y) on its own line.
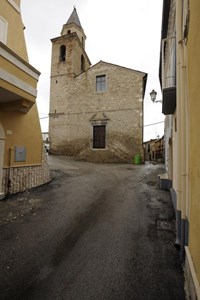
point(74, 18)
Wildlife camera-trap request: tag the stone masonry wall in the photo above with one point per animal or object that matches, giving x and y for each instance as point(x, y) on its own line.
point(19, 179)
point(71, 133)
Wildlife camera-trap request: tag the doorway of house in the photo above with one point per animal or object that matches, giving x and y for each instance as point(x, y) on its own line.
point(2, 142)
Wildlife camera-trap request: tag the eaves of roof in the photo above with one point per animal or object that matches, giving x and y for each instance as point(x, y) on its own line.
point(111, 64)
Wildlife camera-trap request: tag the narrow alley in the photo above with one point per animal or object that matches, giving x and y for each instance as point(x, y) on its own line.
point(96, 231)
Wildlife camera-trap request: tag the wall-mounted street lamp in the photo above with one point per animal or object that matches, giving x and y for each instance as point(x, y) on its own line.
point(153, 95)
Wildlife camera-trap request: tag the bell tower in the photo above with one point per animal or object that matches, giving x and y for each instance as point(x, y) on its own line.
point(69, 59)
point(74, 25)
point(68, 50)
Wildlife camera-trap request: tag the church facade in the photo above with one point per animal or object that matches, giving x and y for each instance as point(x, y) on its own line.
point(96, 112)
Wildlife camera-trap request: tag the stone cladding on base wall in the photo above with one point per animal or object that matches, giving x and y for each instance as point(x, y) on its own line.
point(19, 179)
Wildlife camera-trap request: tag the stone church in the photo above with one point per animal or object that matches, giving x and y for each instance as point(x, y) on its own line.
point(96, 112)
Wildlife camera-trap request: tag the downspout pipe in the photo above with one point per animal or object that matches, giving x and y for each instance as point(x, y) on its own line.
point(2, 141)
point(179, 125)
point(183, 128)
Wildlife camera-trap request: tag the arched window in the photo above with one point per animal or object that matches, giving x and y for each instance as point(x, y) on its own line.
point(82, 63)
point(69, 31)
point(62, 53)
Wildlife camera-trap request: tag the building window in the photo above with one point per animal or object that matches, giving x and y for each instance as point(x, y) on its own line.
point(99, 137)
point(62, 53)
point(69, 31)
point(101, 83)
point(3, 30)
point(82, 63)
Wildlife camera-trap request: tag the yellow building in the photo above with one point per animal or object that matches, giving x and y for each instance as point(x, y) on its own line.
point(193, 64)
point(179, 74)
point(22, 160)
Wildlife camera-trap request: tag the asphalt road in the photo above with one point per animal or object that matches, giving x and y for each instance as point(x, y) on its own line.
point(97, 231)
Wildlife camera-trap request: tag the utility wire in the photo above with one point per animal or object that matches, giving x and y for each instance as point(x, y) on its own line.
point(143, 126)
point(153, 124)
point(44, 117)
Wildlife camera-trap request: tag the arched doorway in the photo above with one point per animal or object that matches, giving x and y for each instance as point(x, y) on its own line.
point(2, 142)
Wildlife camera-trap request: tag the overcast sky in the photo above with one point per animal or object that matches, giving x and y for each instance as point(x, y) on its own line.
point(125, 32)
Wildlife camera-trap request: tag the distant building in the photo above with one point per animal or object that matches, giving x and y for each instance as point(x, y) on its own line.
point(149, 150)
point(45, 137)
point(154, 150)
point(160, 149)
point(22, 159)
point(96, 112)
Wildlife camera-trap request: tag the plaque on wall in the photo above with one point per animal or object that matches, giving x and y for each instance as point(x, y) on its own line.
point(20, 153)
